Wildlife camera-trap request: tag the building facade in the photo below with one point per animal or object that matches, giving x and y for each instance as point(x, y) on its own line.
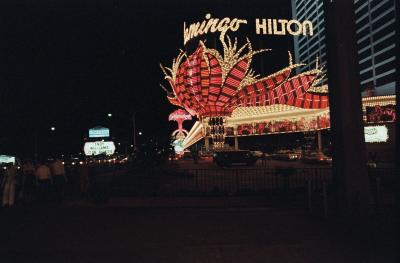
point(376, 42)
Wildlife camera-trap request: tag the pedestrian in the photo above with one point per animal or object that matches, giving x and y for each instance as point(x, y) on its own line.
point(9, 182)
point(28, 181)
point(195, 157)
point(59, 179)
point(83, 172)
point(43, 179)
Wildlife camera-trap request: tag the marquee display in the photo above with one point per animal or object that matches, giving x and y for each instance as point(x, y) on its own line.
point(99, 147)
point(99, 132)
point(378, 113)
point(374, 134)
point(179, 135)
point(7, 159)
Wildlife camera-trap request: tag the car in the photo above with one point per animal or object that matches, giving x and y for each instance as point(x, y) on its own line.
point(285, 155)
point(316, 158)
point(187, 155)
point(237, 157)
point(258, 154)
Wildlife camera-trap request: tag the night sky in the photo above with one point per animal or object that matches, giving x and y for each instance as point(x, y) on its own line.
point(69, 63)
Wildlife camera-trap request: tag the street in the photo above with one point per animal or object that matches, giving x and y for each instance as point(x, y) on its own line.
point(245, 234)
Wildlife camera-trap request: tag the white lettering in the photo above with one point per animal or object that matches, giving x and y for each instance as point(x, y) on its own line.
point(269, 26)
point(310, 28)
point(262, 26)
point(211, 25)
point(283, 28)
point(298, 29)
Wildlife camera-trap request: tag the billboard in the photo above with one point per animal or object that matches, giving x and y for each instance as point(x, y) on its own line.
point(99, 132)
point(380, 113)
point(5, 159)
point(376, 134)
point(99, 147)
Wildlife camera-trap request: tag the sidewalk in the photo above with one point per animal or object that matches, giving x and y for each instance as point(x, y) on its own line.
point(131, 231)
point(191, 202)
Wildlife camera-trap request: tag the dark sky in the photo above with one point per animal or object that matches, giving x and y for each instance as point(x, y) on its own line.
point(68, 63)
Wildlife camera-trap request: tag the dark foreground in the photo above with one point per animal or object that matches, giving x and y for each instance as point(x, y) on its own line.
point(88, 233)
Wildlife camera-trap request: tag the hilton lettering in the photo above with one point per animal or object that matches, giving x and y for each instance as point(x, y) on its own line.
point(283, 27)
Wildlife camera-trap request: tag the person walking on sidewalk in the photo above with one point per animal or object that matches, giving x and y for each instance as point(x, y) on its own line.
point(9, 182)
point(83, 172)
point(43, 178)
point(28, 181)
point(59, 179)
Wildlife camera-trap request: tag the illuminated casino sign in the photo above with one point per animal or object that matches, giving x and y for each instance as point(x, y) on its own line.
point(376, 134)
point(99, 147)
point(178, 136)
point(378, 113)
point(99, 132)
point(262, 26)
point(6, 159)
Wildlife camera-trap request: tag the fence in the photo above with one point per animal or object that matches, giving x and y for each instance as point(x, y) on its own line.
point(230, 181)
point(235, 181)
point(311, 186)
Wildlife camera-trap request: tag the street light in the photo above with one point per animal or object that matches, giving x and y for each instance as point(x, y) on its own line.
point(140, 133)
point(53, 128)
point(109, 114)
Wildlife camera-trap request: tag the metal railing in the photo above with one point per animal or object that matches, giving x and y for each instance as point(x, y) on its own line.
point(312, 185)
point(250, 180)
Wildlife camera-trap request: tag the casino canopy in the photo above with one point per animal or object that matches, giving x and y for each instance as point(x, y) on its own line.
point(224, 92)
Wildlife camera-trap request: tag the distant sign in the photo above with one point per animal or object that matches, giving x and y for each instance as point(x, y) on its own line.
point(4, 159)
point(376, 134)
point(99, 147)
point(99, 132)
point(380, 113)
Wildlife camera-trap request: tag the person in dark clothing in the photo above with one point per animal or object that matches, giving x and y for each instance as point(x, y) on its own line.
point(59, 179)
point(44, 179)
point(28, 181)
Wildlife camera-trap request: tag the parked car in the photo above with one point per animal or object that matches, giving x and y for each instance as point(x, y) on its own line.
point(316, 158)
point(286, 155)
point(187, 155)
point(258, 154)
point(228, 158)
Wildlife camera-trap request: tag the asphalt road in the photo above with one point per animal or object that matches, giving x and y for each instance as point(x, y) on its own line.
point(117, 234)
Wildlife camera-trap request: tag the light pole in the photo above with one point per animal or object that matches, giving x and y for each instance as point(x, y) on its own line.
point(134, 130)
point(52, 140)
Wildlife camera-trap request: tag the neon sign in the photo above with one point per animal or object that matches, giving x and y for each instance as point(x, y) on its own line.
point(179, 135)
point(99, 132)
point(376, 134)
point(380, 113)
point(99, 147)
point(284, 27)
point(4, 159)
point(262, 26)
point(211, 24)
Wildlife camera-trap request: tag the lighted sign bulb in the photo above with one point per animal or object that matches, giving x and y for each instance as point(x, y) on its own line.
point(53, 128)
point(109, 115)
point(140, 133)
